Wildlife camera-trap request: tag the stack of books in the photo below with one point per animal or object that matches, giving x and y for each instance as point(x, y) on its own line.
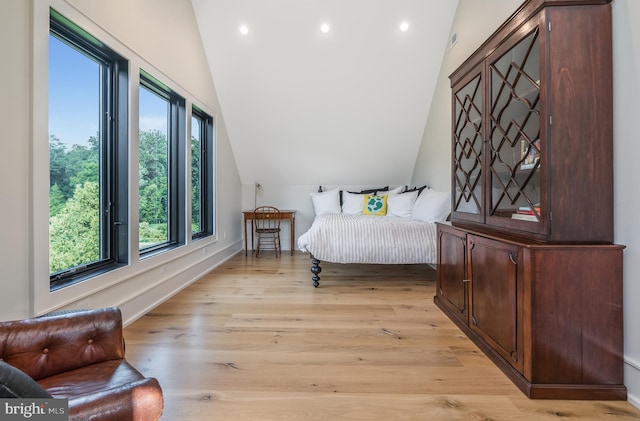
point(525, 213)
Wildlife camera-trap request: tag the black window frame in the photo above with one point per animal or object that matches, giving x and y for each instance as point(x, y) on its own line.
point(114, 142)
point(176, 213)
point(206, 180)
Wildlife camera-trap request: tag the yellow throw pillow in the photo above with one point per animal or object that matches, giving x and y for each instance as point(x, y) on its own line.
point(375, 205)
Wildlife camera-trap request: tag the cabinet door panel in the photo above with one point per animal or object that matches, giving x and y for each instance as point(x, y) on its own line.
point(467, 148)
point(493, 295)
point(451, 283)
point(514, 140)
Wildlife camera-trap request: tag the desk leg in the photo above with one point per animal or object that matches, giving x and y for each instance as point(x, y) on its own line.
point(245, 237)
point(252, 231)
point(293, 224)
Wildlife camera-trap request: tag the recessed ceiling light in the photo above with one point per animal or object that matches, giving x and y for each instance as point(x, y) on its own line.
point(244, 29)
point(404, 26)
point(324, 28)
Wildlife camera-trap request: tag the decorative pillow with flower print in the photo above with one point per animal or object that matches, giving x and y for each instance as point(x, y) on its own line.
point(375, 205)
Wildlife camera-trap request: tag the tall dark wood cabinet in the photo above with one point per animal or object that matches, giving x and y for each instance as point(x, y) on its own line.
point(527, 267)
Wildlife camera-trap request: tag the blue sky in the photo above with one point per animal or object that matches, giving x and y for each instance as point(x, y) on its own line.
point(73, 94)
point(74, 97)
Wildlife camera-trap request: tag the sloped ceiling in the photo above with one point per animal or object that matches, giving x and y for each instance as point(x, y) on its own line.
point(344, 107)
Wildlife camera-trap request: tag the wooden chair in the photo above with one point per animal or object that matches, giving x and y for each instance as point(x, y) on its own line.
point(267, 225)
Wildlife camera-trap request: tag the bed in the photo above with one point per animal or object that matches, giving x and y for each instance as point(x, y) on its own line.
point(400, 231)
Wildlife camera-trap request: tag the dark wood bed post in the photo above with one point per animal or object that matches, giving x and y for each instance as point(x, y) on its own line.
point(315, 269)
point(315, 263)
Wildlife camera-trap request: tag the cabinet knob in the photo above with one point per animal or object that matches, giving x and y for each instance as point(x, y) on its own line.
point(466, 280)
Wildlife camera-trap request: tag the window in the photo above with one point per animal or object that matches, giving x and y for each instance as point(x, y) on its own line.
point(87, 155)
point(161, 167)
point(202, 159)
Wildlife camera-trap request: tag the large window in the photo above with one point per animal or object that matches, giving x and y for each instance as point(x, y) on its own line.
point(202, 162)
point(161, 167)
point(88, 176)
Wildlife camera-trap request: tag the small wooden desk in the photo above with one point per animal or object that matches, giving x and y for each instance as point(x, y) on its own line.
point(289, 215)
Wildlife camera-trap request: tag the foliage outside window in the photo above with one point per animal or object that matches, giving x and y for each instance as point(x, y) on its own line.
point(87, 155)
point(202, 158)
point(161, 167)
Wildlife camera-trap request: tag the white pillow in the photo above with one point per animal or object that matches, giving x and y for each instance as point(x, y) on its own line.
point(432, 206)
point(352, 202)
point(326, 202)
point(401, 204)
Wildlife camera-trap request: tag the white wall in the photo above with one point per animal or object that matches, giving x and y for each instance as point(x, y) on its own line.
point(15, 173)
point(302, 105)
point(290, 197)
point(158, 35)
point(474, 22)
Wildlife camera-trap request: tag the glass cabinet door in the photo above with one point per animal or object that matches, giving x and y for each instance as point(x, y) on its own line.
point(468, 146)
point(514, 134)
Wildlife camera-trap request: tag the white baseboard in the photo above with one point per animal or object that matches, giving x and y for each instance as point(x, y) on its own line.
point(632, 380)
point(137, 306)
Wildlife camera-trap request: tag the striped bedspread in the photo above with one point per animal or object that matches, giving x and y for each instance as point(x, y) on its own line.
point(347, 238)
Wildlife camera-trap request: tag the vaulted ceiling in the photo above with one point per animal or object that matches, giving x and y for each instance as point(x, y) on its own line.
point(348, 106)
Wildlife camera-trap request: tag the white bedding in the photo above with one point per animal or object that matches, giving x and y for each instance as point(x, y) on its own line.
point(354, 238)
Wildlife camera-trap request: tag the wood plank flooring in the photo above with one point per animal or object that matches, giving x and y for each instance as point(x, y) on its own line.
point(253, 340)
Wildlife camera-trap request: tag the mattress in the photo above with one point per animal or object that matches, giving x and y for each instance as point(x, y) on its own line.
point(356, 238)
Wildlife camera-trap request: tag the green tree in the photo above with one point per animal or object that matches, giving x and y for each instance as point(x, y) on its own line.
point(56, 200)
point(74, 224)
point(83, 162)
point(150, 235)
point(153, 192)
point(195, 184)
point(58, 166)
point(74, 233)
point(153, 204)
point(71, 167)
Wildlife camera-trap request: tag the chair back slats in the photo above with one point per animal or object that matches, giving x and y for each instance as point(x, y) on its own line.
point(267, 218)
point(267, 225)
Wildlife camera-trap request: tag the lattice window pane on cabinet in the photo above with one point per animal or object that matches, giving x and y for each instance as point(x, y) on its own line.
point(467, 147)
point(514, 138)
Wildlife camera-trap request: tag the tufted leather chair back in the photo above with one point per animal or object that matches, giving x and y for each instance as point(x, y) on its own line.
point(91, 336)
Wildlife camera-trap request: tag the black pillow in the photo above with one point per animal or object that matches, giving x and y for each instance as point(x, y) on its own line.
point(419, 189)
point(15, 383)
point(372, 191)
point(367, 191)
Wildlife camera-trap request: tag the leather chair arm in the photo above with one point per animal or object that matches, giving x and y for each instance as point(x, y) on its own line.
point(45, 346)
point(147, 403)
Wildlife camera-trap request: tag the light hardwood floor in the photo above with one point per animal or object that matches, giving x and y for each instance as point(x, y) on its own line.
point(253, 340)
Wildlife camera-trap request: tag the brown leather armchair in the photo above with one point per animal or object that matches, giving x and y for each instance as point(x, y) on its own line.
point(80, 356)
